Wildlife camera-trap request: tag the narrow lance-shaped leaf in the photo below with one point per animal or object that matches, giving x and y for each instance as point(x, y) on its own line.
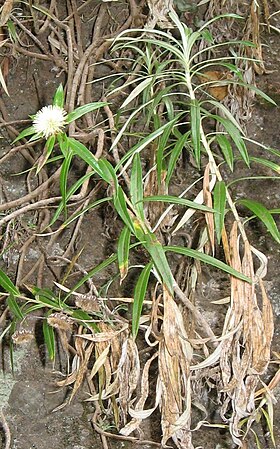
point(195, 129)
point(83, 152)
point(25, 133)
point(49, 339)
point(64, 178)
point(136, 185)
point(82, 110)
point(122, 209)
point(70, 192)
point(14, 307)
point(264, 215)
point(181, 201)
point(161, 148)
point(139, 296)
point(207, 259)
point(137, 91)
point(175, 154)
point(83, 316)
point(83, 211)
point(226, 149)
point(58, 99)
point(47, 152)
point(156, 251)
point(219, 195)
point(123, 252)
point(7, 284)
point(236, 137)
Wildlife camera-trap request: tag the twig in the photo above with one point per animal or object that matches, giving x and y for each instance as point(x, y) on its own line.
point(30, 196)
point(124, 438)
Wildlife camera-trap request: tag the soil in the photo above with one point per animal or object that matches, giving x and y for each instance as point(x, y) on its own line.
point(29, 395)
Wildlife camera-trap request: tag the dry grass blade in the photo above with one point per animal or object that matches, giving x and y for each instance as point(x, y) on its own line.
point(6, 11)
point(175, 354)
point(253, 27)
point(246, 353)
point(128, 374)
point(138, 413)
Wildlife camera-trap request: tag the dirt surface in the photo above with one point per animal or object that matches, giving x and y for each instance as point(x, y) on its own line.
point(29, 396)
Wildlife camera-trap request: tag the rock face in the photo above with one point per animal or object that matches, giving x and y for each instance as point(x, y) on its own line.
point(29, 397)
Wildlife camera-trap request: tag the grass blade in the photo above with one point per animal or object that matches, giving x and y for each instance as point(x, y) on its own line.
point(264, 215)
point(139, 296)
point(64, 178)
point(49, 339)
point(136, 187)
point(219, 196)
point(157, 253)
point(137, 91)
point(58, 99)
point(25, 133)
point(122, 209)
point(226, 149)
point(82, 110)
point(175, 154)
point(14, 307)
point(123, 252)
point(181, 201)
point(83, 152)
point(234, 133)
point(7, 284)
point(195, 129)
point(207, 259)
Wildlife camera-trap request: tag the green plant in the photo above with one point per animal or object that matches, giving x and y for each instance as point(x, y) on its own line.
point(167, 96)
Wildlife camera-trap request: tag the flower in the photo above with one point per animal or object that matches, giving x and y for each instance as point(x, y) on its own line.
point(49, 121)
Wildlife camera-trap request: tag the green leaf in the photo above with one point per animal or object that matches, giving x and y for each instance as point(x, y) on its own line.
point(82, 110)
point(266, 163)
point(83, 152)
point(14, 308)
point(63, 141)
point(83, 316)
point(270, 425)
point(226, 149)
point(195, 129)
point(175, 154)
point(26, 132)
point(209, 260)
point(219, 195)
point(92, 272)
point(7, 284)
point(83, 211)
point(123, 252)
point(46, 297)
point(122, 209)
point(161, 147)
point(141, 145)
point(64, 178)
point(236, 137)
point(156, 251)
point(181, 201)
point(58, 99)
point(70, 192)
point(264, 215)
point(139, 296)
point(49, 339)
point(136, 186)
point(137, 90)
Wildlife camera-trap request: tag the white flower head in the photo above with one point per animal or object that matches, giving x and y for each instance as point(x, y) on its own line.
point(49, 121)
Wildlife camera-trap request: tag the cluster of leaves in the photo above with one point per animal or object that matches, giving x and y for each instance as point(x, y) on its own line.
point(175, 64)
